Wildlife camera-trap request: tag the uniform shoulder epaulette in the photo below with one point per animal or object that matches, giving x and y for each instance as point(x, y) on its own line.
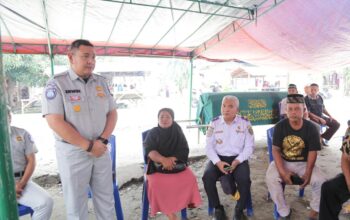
point(19, 130)
point(60, 74)
point(244, 118)
point(216, 118)
point(16, 128)
point(100, 76)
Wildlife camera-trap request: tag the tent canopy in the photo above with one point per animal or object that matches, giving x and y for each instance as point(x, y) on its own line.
point(294, 35)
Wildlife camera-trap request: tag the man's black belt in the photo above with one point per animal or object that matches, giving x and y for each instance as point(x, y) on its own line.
point(19, 174)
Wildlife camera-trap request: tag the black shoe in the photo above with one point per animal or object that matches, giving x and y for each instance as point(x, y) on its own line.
point(238, 215)
point(220, 213)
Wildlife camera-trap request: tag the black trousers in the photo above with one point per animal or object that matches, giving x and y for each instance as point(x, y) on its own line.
point(334, 193)
point(241, 175)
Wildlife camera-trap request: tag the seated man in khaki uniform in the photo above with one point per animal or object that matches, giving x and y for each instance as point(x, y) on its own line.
point(23, 161)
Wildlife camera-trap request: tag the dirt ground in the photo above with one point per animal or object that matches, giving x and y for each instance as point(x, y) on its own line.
point(131, 190)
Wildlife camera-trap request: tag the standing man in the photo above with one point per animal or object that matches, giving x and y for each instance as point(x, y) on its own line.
point(80, 109)
point(28, 193)
point(319, 114)
point(337, 190)
point(295, 146)
point(229, 144)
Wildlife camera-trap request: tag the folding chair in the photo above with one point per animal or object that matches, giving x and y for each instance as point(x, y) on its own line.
point(145, 202)
point(24, 210)
point(117, 203)
point(269, 146)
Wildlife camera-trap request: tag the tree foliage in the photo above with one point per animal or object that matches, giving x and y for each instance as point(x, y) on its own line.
point(26, 69)
point(179, 74)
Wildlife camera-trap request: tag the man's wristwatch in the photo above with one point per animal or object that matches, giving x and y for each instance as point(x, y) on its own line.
point(91, 144)
point(103, 140)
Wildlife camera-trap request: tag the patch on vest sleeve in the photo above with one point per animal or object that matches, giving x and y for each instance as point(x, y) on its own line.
point(210, 131)
point(250, 130)
point(50, 93)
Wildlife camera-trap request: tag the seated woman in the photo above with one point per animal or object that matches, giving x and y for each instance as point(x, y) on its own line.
point(169, 191)
point(28, 193)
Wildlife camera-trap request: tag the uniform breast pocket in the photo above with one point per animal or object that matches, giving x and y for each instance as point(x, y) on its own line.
point(101, 100)
point(239, 136)
point(74, 105)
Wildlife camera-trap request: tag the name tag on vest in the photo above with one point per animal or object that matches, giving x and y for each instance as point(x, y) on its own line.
point(72, 91)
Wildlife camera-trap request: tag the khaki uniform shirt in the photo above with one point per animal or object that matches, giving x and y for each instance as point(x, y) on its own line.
point(84, 105)
point(21, 145)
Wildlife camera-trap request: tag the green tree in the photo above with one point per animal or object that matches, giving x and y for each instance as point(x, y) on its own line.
point(179, 73)
point(26, 69)
point(61, 60)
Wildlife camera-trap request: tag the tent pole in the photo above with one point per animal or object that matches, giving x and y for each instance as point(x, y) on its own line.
point(191, 78)
point(52, 62)
point(49, 45)
point(8, 203)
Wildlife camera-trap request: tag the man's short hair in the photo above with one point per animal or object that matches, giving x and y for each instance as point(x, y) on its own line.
point(292, 86)
point(295, 98)
point(77, 43)
point(231, 97)
point(314, 84)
